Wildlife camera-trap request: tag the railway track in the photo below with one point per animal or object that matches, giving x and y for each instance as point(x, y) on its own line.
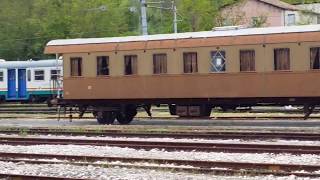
point(156, 134)
point(210, 167)
point(169, 146)
point(33, 177)
point(214, 167)
point(16, 108)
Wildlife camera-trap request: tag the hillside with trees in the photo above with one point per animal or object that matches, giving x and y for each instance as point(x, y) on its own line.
point(27, 25)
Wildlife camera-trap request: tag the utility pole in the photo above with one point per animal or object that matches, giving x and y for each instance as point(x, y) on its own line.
point(175, 21)
point(144, 22)
point(173, 8)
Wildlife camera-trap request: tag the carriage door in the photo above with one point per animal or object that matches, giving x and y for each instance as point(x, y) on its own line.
point(11, 83)
point(22, 83)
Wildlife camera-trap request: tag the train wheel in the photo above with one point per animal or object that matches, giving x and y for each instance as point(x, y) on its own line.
point(105, 117)
point(124, 118)
point(173, 109)
point(127, 116)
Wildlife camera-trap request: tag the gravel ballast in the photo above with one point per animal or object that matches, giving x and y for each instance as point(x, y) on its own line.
point(92, 172)
point(308, 159)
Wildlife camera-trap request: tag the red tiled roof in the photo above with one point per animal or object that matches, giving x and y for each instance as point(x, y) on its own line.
point(281, 4)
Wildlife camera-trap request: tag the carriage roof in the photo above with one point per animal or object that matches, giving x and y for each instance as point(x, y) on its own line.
point(30, 63)
point(189, 35)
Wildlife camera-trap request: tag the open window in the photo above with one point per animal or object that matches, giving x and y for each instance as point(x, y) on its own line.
point(190, 62)
point(55, 73)
point(102, 65)
point(282, 59)
point(76, 66)
point(315, 58)
point(218, 60)
point(39, 75)
point(159, 63)
point(130, 64)
point(247, 60)
point(1, 76)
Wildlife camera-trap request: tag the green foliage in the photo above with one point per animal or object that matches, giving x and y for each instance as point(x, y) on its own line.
point(259, 21)
point(27, 25)
point(301, 1)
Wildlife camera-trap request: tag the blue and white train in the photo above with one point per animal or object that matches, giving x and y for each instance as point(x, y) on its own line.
point(30, 80)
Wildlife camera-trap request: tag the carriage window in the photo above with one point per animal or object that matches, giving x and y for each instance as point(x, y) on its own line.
point(76, 66)
point(247, 58)
point(282, 59)
point(29, 75)
point(1, 76)
point(291, 19)
point(315, 58)
point(102, 65)
point(39, 75)
point(218, 61)
point(130, 63)
point(190, 64)
point(55, 74)
point(159, 63)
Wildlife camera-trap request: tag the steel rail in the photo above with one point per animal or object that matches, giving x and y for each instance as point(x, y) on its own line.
point(176, 134)
point(265, 168)
point(169, 146)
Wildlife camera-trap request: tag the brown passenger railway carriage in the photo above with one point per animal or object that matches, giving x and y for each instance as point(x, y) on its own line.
point(191, 72)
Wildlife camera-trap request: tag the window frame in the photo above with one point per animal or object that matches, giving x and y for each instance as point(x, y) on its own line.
point(29, 75)
point(163, 70)
point(185, 54)
point(79, 70)
point(101, 69)
point(35, 75)
point(224, 58)
point(254, 60)
point(274, 59)
point(58, 74)
point(132, 65)
point(310, 55)
point(1, 76)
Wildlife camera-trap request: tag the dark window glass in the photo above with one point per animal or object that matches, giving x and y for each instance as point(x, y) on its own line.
point(247, 60)
point(76, 66)
point(102, 65)
point(1, 76)
point(130, 64)
point(55, 74)
point(218, 61)
point(190, 64)
point(159, 63)
point(315, 58)
point(29, 75)
point(282, 59)
point(39, 75)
